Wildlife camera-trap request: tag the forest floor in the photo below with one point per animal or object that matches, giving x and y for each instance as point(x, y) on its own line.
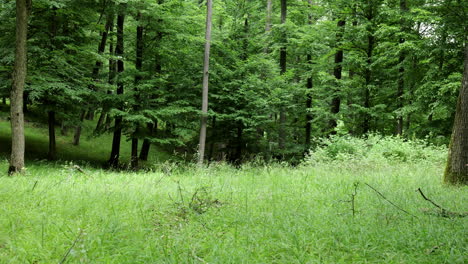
point(255, 214)
point(324, 212)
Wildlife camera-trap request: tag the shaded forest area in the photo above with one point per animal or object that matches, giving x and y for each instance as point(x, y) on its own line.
point(281, 72)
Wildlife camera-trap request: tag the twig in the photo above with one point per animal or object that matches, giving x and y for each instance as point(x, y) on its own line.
point(390, 202)
point(72, 246)
point(444, 212)
point(34, 187)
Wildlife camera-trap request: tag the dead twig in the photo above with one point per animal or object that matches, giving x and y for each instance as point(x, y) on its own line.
point(443, 212)
point(72, 246)
point(390, 202)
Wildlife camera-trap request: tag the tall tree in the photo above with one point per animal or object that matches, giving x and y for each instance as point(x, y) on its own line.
point(206, 67)
point(401, 70)
point(337, 72)
point(282, 62)
point(308, 126)
point(19, 77)
point(138, 65)
point(456, 171)
point(119, 51)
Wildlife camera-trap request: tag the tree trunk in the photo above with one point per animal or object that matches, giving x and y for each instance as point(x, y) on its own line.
point(16, 99)
point(337, 72)
point(368, 79)
point(138, 66)
point(283, 57)
point(52, 142)
point(401, 71)
point(206, 63)
point(456, 171)
point(77, 135)
point(119, 52)
point(308, 126)
point(145, 147)
point(94, 76)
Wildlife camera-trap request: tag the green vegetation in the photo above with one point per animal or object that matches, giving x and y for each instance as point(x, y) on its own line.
point(257, 214)
point(92, 150)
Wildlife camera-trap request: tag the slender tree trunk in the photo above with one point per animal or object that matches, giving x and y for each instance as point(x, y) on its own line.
point(119, 51)
point(16, 99)
point(206, 67)
point(94, 76)
point(139, 66)
point(368, 71)
point(77, 135)
point(283, 57)
point(52, 142)
point(337, 72)
point(401, 71)
point(308, 126)
point(145, 147)
point(456, 171)
point(4, 100)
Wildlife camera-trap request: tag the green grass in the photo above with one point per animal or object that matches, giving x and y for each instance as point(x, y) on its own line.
point(256, 214)
point(92, 150)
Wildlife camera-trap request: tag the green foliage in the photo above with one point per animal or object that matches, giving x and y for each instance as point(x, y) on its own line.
point(375, 149)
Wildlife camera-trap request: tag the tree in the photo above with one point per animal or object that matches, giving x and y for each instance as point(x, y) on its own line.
point(206, 67)
point(19, 77)
point(119, 51)
point(456, 171)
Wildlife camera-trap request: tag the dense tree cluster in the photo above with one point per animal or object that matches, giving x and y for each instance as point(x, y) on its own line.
point(281, 72)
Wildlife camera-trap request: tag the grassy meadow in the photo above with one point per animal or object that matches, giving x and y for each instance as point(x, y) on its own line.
point(258, 213)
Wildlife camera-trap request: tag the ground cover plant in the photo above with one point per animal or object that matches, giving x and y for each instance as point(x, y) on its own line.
point(62, 213)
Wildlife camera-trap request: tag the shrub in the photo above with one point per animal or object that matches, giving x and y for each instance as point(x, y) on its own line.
point(375, 148)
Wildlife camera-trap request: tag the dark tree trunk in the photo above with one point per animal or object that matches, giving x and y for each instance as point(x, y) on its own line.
point(94, 76)
point(337, 72)
point(283, 57)
point(401, 71)
point(77, 136)
point(4, 100)
point(119, 51)
point(52, 142)
point(456, 171)
point(138, 65)
point(368, 79)
point(206, 63)
point(145, 147)
point(308, 126)
point(16, 99)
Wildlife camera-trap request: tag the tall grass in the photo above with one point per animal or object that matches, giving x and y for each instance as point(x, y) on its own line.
point(255, 214)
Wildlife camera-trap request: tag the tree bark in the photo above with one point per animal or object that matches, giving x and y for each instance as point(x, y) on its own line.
point(337, 72)
point(368, 71)
point(401, 71)
point(138, 66)
point(283, 57)
point(52, 142)
point(309, 86)
point(206, 66)
point(94, 76)
point(77, 135)
point(119, 51)
point(16, 99)
point(456, 171)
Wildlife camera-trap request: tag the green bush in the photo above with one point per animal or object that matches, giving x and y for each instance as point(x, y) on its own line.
point(375, 148)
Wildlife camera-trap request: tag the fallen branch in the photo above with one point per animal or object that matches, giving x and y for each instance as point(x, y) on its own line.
point(443, 212)
point(390, 202)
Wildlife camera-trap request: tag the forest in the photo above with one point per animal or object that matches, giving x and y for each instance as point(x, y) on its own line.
point(233, 131)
